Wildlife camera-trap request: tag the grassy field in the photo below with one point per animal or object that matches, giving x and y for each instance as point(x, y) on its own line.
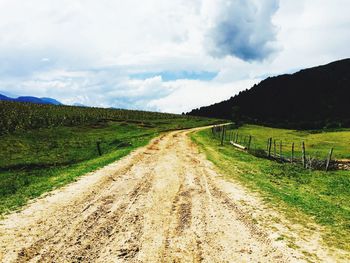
point(318, 143)
point(35, 161)
point(303, 195)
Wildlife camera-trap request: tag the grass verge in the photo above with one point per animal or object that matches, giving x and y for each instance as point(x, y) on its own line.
point(303, 195)
point(318, 142)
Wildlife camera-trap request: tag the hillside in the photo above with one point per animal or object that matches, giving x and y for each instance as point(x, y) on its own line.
point(312, 98)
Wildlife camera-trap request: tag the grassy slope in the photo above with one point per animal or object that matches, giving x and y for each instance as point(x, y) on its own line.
point(37, 161)
point(317, 143)
point(302, 194)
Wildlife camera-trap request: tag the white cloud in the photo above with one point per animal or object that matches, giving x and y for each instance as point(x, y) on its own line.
point(85, 51)
point(241, 28)
point(190, 94)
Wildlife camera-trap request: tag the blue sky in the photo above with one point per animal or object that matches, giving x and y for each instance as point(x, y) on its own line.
point(162, 55)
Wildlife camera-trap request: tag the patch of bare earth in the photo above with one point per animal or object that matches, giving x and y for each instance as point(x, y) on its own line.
point(162, 203)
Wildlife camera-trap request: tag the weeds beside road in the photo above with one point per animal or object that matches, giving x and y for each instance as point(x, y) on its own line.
point(303, 195)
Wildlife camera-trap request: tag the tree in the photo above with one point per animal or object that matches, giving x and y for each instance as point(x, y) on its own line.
point(236, 115)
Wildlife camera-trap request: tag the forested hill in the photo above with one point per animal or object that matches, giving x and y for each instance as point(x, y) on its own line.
point(312, 98)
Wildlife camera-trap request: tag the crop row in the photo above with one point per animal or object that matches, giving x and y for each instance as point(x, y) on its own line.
point(16, 116)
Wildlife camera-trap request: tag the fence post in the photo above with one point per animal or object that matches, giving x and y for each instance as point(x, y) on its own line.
point(304, 155)
point(222, 135)
point(249, 142)
point(292, 158)
point(281, 151)
point(270, 146)
point(267, 145)
point(274, 148)
point(329, 159)
point(98, 144)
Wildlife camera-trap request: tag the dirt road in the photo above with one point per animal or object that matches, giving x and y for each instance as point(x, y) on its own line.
point(162, 203)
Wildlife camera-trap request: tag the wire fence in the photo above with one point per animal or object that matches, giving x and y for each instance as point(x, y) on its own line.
point(282, 151)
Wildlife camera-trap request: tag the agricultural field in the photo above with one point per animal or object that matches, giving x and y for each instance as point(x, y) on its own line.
point(44, 147)
point(16, 116)
point(305, 196)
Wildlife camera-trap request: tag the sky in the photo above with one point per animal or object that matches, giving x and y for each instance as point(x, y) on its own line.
point(169, 56)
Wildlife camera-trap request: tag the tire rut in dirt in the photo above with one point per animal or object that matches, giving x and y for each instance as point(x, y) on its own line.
point(84, 242)
point(44, 248)
point(221, 199)
point(181, 243)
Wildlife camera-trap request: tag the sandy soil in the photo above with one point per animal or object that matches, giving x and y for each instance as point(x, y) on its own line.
point(162, 203)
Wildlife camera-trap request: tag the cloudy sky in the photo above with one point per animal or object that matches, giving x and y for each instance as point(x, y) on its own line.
point(162, 55)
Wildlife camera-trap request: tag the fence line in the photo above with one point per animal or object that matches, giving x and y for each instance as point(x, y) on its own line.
point(277, 150)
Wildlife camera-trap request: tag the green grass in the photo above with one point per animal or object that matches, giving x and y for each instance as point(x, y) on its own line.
point(318, 143)
point(36, 161)
point(303, 195)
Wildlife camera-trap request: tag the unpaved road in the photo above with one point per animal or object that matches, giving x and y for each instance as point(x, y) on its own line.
point(162, 203)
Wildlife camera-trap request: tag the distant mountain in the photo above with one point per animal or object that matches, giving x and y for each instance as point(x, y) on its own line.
point(31, 100)
point(51, 101)
point(3, 97)
point(312, 98)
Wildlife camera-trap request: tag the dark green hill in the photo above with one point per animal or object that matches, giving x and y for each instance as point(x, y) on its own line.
point(309, 99)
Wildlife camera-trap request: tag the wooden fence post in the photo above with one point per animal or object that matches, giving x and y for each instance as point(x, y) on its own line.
point(98, 144)
point(267, 145)
point(270, 146)
point(281, 157)
point(329, 159)
point(304, 155)
point(249, 142)
point(292, 158)
point(274, 148)
point(222, 135)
